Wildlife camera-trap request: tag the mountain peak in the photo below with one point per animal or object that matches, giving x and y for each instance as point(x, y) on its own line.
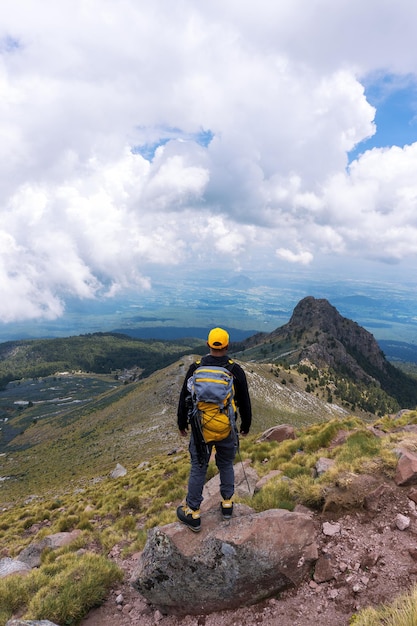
point(312, 312)
point(318, 335)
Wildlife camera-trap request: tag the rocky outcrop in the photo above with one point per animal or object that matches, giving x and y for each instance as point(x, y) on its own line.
point(118, 472)
point(228, 564)
point(278, 433)
point(406, 472)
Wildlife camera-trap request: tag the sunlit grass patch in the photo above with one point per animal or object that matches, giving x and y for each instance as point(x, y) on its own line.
point(359, 446)
point(275, 495)
point(138, 543)
point(261, 451)
point(62, 590)
point(320, 435)
point(161, 517)
point(73, 590)
point(388, 423)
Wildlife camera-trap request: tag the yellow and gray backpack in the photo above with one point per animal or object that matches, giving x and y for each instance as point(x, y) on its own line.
point(212, 392)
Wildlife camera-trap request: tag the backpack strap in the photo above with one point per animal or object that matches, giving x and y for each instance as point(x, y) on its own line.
point(230, 365)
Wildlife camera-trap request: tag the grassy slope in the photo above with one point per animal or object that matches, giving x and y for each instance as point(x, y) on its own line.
point(84, 443)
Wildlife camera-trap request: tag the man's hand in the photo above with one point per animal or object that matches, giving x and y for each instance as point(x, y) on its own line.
point(243, 433)
point(183, 433)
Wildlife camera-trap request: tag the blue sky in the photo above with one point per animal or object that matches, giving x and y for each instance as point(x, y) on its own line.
point(166, 136)
point(395, 102)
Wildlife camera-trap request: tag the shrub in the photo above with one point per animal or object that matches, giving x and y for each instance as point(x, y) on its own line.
point(307, 491)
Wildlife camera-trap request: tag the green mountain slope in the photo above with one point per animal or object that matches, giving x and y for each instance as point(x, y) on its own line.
point(101, 353)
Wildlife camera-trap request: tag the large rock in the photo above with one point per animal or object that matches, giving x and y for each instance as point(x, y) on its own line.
point(9, 566)
point(118, 472)
point(406, 473)
point(228, 564)
point(32, 554)
point(279, 433)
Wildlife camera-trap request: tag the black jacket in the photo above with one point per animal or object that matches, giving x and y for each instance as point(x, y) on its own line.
point(242, 398)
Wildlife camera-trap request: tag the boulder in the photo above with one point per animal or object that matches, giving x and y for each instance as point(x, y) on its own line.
point(32, 554)
point(323, 571)
point(402, 521)
point(406, 473)
point(9, 566)
point(265, 479)
point(323, 465)
point(278, 433)
point(118, 471)
point(226, 565)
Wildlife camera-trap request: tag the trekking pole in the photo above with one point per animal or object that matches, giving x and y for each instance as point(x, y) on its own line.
point(244, 473)
point(241, 462)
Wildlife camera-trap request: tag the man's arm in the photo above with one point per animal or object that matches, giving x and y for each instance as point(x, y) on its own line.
point(182, 411)
point(242, 399)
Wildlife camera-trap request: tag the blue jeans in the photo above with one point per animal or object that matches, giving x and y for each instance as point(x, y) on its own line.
point(225, 455)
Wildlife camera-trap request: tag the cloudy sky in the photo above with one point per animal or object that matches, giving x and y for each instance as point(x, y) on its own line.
point(139, 135)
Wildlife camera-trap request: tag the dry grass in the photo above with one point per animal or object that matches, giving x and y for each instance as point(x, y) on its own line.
point(401, 612)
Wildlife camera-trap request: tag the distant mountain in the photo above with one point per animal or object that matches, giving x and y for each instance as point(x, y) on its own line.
point(319, 336)
point(172, 333)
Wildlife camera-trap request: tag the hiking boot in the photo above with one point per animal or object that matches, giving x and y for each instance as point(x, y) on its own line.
point(227, 509)
point(189, 517)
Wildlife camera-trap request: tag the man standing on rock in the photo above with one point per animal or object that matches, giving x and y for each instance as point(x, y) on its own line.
point(226, 448)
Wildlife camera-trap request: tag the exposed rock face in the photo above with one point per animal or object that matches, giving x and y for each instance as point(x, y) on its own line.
point(317, 335)
point(118, 471)
point(33, 553)
point(228, 564)
point(406, 473)
point(334, 340)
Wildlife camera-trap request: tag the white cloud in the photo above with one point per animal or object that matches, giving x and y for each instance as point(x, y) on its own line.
point(302, 257)
point(245, 114)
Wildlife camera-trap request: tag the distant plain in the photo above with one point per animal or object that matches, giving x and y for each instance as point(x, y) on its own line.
point(178, 306)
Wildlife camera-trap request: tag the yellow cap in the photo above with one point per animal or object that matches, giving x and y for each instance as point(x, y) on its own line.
point(218, 339)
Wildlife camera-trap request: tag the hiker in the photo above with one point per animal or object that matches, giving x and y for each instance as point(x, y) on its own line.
point(200, 448)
